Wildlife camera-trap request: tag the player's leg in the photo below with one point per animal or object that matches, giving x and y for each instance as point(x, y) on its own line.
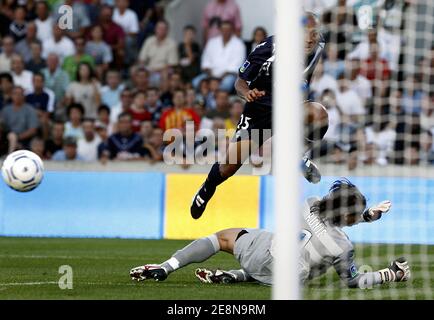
point(197, 251)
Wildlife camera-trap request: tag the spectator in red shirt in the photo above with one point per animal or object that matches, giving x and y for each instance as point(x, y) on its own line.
point(138, 111)
point(114, 35)
point(178, 115)
point(217, 11)
point(375, 67)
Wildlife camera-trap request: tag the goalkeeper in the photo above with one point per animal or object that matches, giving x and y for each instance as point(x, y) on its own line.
point(323, 245)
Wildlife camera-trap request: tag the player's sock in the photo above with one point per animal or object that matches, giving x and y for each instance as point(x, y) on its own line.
point(240, 275)
point(214, 177)
point(197, 251)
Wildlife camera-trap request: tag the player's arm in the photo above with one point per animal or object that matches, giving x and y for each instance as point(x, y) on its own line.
point(375, 212)
point(245, 92)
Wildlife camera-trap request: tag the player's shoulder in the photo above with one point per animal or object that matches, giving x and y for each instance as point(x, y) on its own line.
point(266, 46)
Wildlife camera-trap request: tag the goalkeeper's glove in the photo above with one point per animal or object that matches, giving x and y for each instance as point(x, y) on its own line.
point(375, 212)
point(397, 272)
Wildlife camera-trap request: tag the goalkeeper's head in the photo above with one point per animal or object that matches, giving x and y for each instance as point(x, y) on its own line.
point(344, 204)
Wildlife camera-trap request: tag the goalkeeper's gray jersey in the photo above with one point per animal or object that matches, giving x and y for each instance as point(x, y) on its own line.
point(324, 245)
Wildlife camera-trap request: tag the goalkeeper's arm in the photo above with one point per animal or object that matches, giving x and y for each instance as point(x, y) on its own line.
point(375, 212)
point(397, 271)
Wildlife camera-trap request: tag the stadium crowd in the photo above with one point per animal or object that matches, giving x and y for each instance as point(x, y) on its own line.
point(108, 88)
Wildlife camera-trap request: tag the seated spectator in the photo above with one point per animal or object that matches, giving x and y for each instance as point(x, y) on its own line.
point(37, 146)
point(56, 80)
point(36, 62)
point(138, 111)
point(155, 145)
point(154, 105)
point(175, 83)
point(103, 117)
point(125, 144)
point(22, 77)
point(259, 36)
point(87, 147)
point(113, 34)
point(80, 18)
point(349, 102)
point(59, 44)
point(426, 147)
point(44, 22)
point(123, 106)
point(159, 54)
point(139, 78)
point(68, 152)
point(222, 57)
point(18, 26)
point(322, 81)
point(20, 121)
point(215, 13)
point(6, 86)
point(99, 50)
point(7, 51)
point(178, 115)
point(23, 46)
point(222, 106)
point(73, 126)
point(358, 82)
point(375, 67)
point(146, 129)
point(129, 22)
point(380, 139)
point(235, 111)
point(189, 54)
point(413, 97)
point(333, 66)
point(71, 63)
point(55, 141)
point(85, 90)
point(110, 93)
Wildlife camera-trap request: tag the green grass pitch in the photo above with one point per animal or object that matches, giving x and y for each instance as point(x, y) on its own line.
point(29, 270)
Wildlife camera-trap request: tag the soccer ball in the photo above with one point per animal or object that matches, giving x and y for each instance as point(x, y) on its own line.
point(23, 170)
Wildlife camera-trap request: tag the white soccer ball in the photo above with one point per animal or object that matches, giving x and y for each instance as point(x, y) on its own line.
point(23, 170)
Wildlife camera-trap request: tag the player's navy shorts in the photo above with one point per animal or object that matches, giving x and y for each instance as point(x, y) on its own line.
point(255, 123)
point(253, 251)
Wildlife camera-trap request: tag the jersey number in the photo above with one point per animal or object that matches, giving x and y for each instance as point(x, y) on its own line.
point(244, 123)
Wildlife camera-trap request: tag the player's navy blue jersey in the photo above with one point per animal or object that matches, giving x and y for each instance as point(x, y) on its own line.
point(257, 70)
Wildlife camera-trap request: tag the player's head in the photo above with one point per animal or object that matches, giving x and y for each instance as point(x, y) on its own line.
point(344, 204)
point(311, 32)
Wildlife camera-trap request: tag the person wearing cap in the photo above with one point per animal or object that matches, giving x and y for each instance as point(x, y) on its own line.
point(69, 151)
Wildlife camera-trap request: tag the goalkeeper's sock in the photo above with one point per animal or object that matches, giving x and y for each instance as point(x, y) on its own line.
point(387, 275)
point(240, 275)
point(197, 251)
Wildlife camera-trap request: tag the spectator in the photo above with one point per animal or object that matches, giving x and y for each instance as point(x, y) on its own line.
point(80, 18)
point(333, 66)
point(215, 13)
point(59, 44)
point(189, 54)
point(123, 106)
point(37, 145)
point(138, 111)
point(426, 147)
point(99, 50)
point(237, 108)
point(159, 53)
point(110, 93)
point(413, 97)
point(44, 22)
point(6, 86)
point(6, 16)
point(103, 118)
point(222, 57)
point(23, 46)
point(20, 121)
point(259, 35)
point(18, 26)
point(87, 147)
point(359, 83)
point(73, 127)
point(36, 62)
point(349, 102)
point(22, 77)
point(222, 106)
point(139, 79)
point(175, 83)
point(380, 139)
point(56, 80)
point(8, 48)
point(127, 19)
point(155, 145)
point(69, 151)
point(146, 129)
point(55, 142)
point(178, 115)
point(113, 34)
point(322, 81)
point(85, 90)
point(126, 144)
point(154, 105)
point(375, 67)
point(71, 63)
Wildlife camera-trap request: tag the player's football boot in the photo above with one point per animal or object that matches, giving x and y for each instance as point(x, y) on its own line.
point(310, 170)
point(148, 271)
point(218, 276)
point(200, 200)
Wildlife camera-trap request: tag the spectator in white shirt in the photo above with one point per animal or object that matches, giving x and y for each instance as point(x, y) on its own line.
point(87, 147)
point(349, 101)
point(59, 44)
point(8, 47)
point(44, 22)
point(127, 19)
point(222, 57)
point(359, 83)
point(322, 81)
point(22, 78)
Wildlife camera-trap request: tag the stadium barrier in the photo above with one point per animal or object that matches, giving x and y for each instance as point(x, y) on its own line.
point(156, 205)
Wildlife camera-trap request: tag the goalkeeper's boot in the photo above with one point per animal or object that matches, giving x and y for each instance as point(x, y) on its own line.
point(310, 170)
point(148, 271)
point(218, 276)
point(397, 272)
point(200, 200)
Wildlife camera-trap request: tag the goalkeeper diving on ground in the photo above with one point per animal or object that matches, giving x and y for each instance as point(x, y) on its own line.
point(323, 245)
